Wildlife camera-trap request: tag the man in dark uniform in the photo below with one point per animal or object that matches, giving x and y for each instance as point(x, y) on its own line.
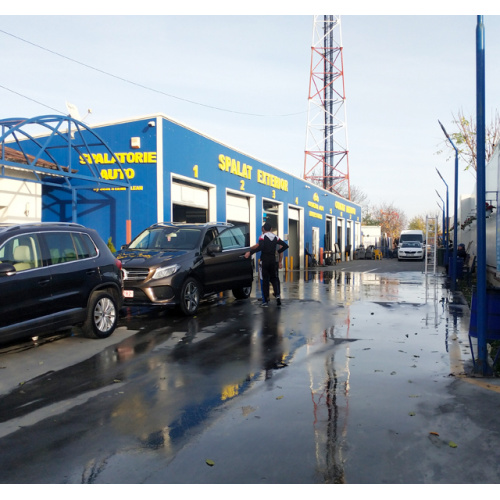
point(267, 245)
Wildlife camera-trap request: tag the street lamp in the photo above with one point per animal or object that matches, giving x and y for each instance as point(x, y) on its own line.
point(455, 225)
point(446, 252)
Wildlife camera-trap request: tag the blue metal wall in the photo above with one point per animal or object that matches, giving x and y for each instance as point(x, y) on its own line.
point(193, 156)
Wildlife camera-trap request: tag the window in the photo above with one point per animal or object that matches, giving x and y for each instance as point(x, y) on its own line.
point(231, 238)
point(23, 252)
point(61, 247)
point(84, 245)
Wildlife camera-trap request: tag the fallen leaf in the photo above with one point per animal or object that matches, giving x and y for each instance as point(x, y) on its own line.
point(434, 433)
point(451, 444)
point(412, 414)
point(210, 462)
point(279, 397)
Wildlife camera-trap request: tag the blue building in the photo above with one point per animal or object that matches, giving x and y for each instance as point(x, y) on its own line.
point(165, 171)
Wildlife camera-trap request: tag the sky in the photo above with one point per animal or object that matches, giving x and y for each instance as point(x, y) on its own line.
point(243, 79)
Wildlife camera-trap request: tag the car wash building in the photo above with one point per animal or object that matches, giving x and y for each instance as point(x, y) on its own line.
point(154, 169)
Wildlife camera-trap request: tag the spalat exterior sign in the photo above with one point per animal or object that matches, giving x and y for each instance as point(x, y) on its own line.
point(235, 167)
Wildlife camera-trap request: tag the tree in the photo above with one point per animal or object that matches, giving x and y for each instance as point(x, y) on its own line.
point(357, 194)
point(419, 222)
point(391, 219)
point(369, 217)
point(465, 138)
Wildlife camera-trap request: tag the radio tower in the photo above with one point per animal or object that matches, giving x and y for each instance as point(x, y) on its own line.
point(326, 156)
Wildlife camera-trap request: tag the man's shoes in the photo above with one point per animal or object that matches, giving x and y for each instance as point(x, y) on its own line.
point(278, 301)
point(264, 304)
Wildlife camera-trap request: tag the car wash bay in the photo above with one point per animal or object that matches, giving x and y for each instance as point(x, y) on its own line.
point(358, 378)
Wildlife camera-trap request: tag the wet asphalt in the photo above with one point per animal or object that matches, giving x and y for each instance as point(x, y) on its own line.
point(363, 376)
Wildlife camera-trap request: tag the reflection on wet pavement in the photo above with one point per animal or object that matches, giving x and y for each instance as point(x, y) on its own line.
point(306, 393)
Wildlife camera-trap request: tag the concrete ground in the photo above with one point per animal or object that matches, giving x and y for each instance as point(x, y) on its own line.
point(363, 376)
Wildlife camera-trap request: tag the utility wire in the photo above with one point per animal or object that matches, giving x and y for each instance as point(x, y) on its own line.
point(33, 100)
point(139, 84)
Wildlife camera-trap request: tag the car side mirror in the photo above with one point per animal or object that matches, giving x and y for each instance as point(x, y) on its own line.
point(213, 248)
point(7, 270)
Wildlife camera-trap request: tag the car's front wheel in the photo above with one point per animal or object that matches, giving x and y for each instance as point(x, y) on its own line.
point(102, 315)
point(242, 293)
point(190, 297)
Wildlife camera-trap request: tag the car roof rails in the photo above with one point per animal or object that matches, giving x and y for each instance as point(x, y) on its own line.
point(14, 227)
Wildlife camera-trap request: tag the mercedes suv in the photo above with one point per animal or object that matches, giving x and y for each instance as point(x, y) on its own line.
point(179, 264)
point(55, 276)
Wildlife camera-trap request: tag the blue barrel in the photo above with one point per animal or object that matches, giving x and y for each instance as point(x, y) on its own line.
point(492, 315)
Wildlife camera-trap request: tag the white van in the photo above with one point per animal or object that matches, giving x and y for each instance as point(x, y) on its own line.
point(412, 235)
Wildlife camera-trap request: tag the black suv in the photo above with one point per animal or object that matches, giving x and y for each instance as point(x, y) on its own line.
point(179, 264)
point(55, 276)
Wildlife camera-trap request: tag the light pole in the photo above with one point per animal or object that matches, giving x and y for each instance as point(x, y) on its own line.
point(481, 199)
point(446, 252)
point(455, 225)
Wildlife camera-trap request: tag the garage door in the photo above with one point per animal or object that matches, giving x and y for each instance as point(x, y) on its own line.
point(237, 208)
point(187, 194)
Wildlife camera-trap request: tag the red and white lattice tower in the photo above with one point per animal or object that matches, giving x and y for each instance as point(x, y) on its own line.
point(326, 155)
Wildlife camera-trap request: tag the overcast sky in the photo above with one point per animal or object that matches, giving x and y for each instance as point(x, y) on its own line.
point(243, 80)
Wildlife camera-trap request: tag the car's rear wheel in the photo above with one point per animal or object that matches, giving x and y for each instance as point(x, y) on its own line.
point(190, 297)
point(242, 293)
point(102, 315)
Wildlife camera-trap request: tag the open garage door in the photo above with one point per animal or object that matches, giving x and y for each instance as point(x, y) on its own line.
point(190, 202)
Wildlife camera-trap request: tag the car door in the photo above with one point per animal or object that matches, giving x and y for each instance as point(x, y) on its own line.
point(227, 268)
point(74, 270)
point(25, 295)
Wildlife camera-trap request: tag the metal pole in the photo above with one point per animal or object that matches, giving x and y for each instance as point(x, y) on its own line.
point(481, 199)
point(453, 265)
point(74, 213)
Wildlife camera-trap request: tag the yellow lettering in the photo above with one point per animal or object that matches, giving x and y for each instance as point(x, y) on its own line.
point(97, 158)
point(315, 215)
point(234, 166)
point(85, 158)
point(115, 173)
point(109, 159)
point(222, 162)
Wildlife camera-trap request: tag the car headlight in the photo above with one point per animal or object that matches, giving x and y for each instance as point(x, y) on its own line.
point(163, 272)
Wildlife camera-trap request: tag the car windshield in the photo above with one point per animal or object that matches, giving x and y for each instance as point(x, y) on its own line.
point(167, 238)
point(412, 244)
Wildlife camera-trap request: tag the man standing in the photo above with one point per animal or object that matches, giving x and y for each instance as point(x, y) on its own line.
point(267, 245)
